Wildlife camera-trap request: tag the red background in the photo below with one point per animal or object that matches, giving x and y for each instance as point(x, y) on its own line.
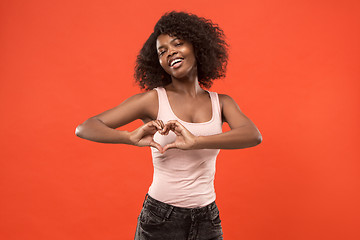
point(293, 70)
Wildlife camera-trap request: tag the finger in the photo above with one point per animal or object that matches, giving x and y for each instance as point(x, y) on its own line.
point(169, 146)
point(166, 129)
point(158, 124)
point(179, 129)
point(175, 124)
point(149, 126)
point(161, 124)
point(170, 125)
point(155, 125)
point(157, 146)
point(176, 127)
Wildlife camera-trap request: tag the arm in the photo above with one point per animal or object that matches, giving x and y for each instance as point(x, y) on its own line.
point(243, 133)
point(102, 127)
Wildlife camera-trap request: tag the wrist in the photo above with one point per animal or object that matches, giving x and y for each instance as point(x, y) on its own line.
point(129, 138)
point(198, 142)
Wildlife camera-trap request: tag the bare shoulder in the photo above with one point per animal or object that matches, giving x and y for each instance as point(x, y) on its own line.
point(224, 97)
point(231, 112)
point(226, 100)
point(151, 104)
point(147, 102)
point(144, 97)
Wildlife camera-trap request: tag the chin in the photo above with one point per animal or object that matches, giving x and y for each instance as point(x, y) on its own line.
point(180, 76)
point(183, 75)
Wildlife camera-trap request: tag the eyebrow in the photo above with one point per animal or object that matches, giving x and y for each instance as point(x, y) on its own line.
point(170, 42)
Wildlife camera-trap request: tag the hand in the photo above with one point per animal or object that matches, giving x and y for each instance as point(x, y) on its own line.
point(184, 138)
point(143, 136)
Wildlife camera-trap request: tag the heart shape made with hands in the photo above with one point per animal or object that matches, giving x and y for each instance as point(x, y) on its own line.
point(184, 138)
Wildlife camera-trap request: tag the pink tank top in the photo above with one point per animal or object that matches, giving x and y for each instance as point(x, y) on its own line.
point(185, 178)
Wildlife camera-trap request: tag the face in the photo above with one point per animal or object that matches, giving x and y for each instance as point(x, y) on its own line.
point(176, 56)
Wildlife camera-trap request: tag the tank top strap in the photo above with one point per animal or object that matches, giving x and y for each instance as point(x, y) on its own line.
point(215, 103)
point(163, 111)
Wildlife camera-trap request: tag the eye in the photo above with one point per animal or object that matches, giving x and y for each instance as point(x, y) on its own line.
point(179, 44)
point(161, 53)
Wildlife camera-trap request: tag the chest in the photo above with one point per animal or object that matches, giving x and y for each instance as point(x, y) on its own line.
point(192, 110)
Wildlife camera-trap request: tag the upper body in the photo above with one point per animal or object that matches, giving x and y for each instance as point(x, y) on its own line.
point(185, 178)
point(184, 70)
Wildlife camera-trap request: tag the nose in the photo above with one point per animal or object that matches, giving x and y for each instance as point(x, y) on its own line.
point(172, 52)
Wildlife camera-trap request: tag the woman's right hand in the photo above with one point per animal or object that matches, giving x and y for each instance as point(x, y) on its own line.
point(143, 136)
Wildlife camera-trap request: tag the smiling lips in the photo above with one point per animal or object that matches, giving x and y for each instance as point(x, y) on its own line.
point(175, 63)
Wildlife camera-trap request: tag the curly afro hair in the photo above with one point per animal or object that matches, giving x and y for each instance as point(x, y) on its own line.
point(207, 38)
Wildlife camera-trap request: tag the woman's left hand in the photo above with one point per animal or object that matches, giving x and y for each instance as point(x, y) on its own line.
point(184, 138)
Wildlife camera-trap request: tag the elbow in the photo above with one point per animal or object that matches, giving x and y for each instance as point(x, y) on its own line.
point(79, 131)
point(254, 141)
point(258, 139)
point(82, 129)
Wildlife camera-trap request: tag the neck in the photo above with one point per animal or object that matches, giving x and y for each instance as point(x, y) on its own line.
point(188, 85)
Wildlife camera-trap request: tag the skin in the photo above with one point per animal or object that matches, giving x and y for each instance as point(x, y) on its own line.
point(188, 101)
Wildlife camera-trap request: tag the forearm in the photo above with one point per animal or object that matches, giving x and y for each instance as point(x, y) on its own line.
point(95, 130)
point(238, 138)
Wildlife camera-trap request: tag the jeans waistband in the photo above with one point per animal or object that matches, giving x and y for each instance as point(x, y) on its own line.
point(165, 206)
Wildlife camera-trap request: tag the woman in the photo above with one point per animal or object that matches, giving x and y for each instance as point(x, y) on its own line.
point(182, 125)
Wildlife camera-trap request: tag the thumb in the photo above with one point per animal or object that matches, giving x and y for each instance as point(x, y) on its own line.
point(157, 146)
point(168, 146)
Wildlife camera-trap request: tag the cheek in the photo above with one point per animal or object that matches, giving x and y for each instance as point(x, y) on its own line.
point(191, 55)
point(193, 59)
point(162, 63)
point(164, 66)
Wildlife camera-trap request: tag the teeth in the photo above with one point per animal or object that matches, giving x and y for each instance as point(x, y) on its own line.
point(175, 61)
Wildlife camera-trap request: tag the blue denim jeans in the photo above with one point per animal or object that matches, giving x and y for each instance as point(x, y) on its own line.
point(161, 221)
